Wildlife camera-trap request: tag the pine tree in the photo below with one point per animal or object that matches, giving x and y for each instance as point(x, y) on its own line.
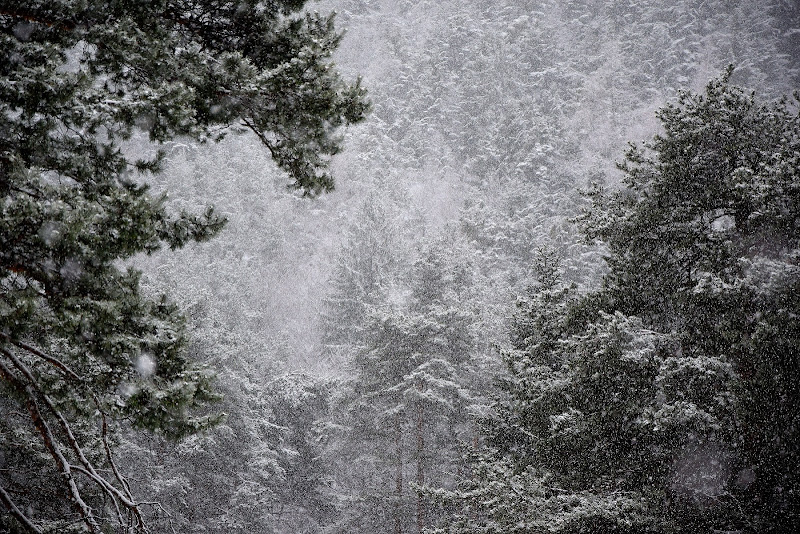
point(667, 400)
point(361, 277)
point(704, 242)
point(406, 403)
point(82, 349)
point(569, 442)
point(243, 475)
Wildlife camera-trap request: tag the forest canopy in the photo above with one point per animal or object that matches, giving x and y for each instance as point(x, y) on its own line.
point(432, 348)
point(82, 349)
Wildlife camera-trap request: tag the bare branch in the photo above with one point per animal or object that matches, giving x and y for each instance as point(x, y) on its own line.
point(125, 496)
point(74, 376)
point(17, 513)
point(50, 443)
point(30, 16)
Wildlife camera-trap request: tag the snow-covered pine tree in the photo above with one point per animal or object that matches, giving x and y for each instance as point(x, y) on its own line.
point(405, 405)
point(81, 348)
point(362, 278)
point(705, 243)
point(258, 471)
point(564, 441)
point(667, 401)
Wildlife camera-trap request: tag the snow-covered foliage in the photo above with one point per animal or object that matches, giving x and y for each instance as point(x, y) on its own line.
point(82, 349)
point(673, 385)
point(455, 201)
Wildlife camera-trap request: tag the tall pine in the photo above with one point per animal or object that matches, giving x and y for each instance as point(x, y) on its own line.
point(82, 349)
point(667, 400)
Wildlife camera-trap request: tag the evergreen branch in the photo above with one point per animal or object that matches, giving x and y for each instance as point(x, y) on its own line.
point(263, 138)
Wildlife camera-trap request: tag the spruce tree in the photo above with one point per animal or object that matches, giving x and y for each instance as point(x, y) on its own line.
point(82, 349)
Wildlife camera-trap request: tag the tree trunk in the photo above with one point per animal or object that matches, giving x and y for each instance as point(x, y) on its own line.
point(420, 470)
point(398, 508)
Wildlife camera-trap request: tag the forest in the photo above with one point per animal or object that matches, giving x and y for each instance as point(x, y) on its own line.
point(399, 266)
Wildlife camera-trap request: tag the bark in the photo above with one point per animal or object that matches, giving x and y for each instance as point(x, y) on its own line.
point(398, 510)
point(37, 18)
point(74, 377)
point(420, 469)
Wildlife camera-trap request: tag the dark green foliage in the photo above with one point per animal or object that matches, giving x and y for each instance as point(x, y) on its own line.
point(705, 243)
point(574, 441)
point(718, 186)
point(667, 401)
point(82, 348)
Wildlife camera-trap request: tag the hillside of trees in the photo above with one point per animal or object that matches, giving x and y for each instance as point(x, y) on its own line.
point(467, 267)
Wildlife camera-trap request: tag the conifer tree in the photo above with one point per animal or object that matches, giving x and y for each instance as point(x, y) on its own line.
point(361, 278)
point(705, 242)
point(407, 400)
point(81, 348)
point(666, 401)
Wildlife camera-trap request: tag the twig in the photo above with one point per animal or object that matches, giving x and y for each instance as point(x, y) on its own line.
point(127, 497)
point(50, 443)
point(17, 513)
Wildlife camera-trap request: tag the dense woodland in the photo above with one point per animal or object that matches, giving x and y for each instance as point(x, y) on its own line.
point(468, 267)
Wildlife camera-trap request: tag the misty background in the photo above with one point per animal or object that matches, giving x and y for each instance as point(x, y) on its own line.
point(485, 113)
point(488, 119)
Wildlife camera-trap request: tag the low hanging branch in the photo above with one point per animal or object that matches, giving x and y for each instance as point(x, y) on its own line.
point(50, 443)
point(5, 498)
point(75, 378)
point(29, 388)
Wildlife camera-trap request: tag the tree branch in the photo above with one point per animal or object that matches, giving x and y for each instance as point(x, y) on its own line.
point(30, 16)
point(5, 498)
point(266, 142)
point(50, 443)
point(75, 377)
point(115, 493)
